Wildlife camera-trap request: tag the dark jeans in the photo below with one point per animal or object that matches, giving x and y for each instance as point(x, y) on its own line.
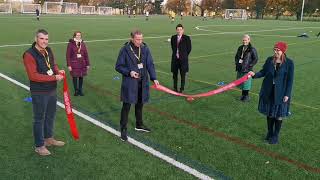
point(44, 112)
point(138, 110)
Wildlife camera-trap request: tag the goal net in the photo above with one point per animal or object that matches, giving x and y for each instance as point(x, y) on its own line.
point(87, 9)
point(60, 8)
point(30, 8)
point(5, 8)
point(236, 14)
point(105, 10)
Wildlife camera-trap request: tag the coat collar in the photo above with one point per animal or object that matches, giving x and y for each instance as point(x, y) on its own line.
point(131, 55)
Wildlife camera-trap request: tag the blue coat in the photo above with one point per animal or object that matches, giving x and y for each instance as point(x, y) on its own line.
point(126, 63)
point(283, 81)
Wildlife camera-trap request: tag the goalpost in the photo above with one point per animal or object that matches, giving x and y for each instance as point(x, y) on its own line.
point(5, 8)
point(87, 9)
point(236, 14)
point(27, 8)
point(60, 8)
point(104, 10)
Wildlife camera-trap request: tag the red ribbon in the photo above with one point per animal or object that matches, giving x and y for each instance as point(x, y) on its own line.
point(68, 108)
point(210, 93)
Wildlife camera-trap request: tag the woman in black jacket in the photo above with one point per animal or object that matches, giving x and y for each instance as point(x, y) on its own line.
point(245, 59)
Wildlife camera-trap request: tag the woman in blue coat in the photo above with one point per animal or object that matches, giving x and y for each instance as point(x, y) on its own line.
point(275, 93)
point(135, 63)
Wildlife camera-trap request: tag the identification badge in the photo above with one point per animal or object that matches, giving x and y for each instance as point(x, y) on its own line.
point(50, 72)
point(240, 61)
point(140, 66)
point(79, 56)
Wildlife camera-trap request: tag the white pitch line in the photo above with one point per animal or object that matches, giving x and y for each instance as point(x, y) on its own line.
point(132, 141)
point(266, 30)
point(164, 36)
point(97, 40)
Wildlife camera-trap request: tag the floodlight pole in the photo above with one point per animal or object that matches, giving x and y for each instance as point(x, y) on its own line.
point(302, 8)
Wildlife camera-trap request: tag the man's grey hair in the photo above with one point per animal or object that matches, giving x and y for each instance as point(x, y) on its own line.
point(41, 31)
point(135, 32)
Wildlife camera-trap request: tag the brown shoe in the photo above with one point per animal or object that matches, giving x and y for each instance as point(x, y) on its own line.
point(42, 151)
point(53, 142)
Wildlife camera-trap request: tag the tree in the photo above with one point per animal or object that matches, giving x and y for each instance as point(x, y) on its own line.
point(228, 4)
point(179, 5)
point(244, 4)
point(260, 8)
point(210, 5)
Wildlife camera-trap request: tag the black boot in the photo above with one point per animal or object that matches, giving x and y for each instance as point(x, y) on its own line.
point(277, 128)
point(245, 95)
point(80, 92)
point(242, 95)
point(270, 123)
point(75, 86)
point(76, 92)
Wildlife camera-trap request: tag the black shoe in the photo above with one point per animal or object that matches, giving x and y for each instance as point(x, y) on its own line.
point(274, 140)
point(76, 93)
point(175, 89)
point(241, 98)
point(124, 135)
point(181, 90)
point(268, 137)
point(80, 93)
point(246, 99)
point(142, 128)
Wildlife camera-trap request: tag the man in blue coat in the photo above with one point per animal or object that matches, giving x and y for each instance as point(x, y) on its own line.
point(135, 63)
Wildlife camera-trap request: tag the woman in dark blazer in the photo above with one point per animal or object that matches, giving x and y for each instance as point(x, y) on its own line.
point(77, 61)
point(275, 93)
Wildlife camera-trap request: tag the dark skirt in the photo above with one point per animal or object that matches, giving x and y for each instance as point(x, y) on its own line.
point(274, 110)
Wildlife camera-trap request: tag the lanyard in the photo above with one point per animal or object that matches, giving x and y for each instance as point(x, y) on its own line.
point(47, 59)
point(78, 46)
point(138, 57)
point(243, 50)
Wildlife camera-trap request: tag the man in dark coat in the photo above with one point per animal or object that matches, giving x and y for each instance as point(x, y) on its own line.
point(181, 48)
point(245, 59)
point(135, 63)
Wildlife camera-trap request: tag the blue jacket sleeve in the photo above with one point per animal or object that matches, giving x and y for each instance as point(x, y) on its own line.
point(150, 66)
point(121, 65)
point(289, 79)
point(262, 72)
